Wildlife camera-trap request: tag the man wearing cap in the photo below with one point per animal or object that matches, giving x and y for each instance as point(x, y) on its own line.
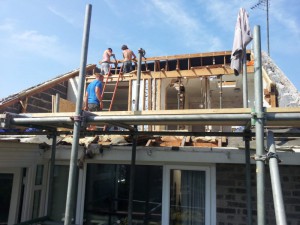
point(92, 98)
point(106, 61)
point(128, 56)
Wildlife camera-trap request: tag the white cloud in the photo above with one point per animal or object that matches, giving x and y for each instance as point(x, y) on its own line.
point(61, 15)
point(223, 13)
point(33, 37)
point(281, 13)
point(7, 25)
point(114, 7)
point(35, 42)
point(17, 42)
point(284, 27)
point(190, 28)
point(31, 42)
point(175, 15)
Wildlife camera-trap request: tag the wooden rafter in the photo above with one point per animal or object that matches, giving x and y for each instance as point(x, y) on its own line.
point(167, 65)
point(185, 56)
point(43, 87)
point(177, 65)
point(24, 104)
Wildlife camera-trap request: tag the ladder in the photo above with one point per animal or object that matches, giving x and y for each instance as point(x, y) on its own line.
point(109, 90)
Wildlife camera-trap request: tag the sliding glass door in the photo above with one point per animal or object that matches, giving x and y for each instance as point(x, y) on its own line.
point(163, 195)
point(107, 189)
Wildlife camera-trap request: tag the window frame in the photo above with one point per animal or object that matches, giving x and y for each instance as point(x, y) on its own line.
point(210, 191)
point(210, 187)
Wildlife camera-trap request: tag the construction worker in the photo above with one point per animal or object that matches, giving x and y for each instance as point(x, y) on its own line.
point(128, 56)
point(92, 98)
point(105, 62)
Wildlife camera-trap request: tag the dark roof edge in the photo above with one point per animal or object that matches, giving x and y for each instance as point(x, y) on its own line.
point(29, 91)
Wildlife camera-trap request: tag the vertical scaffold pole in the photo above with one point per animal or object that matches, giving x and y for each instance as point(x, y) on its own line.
point(52, 162)
point(77, 119)
point(134, 140)
point(275, 181)
point(247, 142)
point(259, 127)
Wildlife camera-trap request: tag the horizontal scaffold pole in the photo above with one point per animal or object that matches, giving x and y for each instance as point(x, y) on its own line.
point(272, 119)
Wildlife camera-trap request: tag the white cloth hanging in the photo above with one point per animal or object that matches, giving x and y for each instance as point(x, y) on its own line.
point(242, 37)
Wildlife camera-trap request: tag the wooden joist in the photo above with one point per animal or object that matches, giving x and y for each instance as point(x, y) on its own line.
point(194, 72)
point(185, 56)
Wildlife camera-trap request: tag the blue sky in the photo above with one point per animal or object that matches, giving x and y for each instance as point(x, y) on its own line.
point(40, 40)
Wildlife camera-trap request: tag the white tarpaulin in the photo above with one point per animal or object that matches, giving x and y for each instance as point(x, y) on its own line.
point(242, 37)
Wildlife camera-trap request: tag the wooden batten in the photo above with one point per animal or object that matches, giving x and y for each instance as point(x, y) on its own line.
point(144, 96)
point(24, 104)
point(129, 95)
point(158, 99)
point(177, 65)
point(149, 94)
point(158, 94)
point(273, 97)
point(150, 99)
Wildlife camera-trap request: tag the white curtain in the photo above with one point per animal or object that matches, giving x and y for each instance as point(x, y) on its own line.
point(190, 208)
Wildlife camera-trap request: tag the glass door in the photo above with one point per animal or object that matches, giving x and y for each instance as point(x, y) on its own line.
point(107, 194)
point(9, 195)
point(188, 195)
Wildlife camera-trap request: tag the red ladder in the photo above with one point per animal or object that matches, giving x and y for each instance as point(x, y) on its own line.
point(108, 97)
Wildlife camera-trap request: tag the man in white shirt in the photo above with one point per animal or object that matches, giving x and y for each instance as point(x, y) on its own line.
point(106, 61)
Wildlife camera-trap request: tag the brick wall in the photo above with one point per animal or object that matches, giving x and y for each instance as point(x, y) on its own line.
point(231, 194)
point(41, 102)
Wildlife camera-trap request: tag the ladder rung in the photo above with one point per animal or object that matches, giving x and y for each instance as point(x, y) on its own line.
point(108, 92)
point(106, 100)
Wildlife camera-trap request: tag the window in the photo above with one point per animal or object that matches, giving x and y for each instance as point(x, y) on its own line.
point(188, 195)
point(59, 193)
point(107, 189)
point(6, 180)
point(10, 179)
point(37, 191)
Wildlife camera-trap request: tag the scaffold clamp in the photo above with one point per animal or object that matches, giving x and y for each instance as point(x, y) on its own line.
point(78, 118)
point(267, 157)
point(256, 116)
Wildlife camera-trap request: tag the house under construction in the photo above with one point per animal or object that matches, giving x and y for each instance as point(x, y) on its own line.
point(182, 141)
